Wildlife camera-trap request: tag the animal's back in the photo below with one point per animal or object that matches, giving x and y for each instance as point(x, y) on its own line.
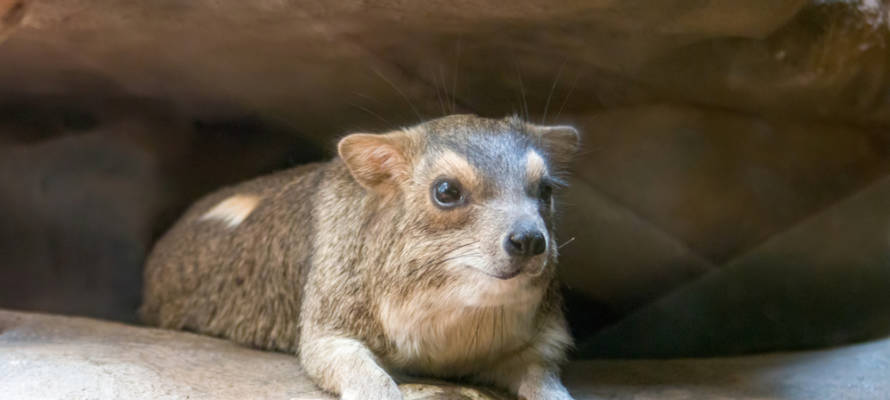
point(234, 265)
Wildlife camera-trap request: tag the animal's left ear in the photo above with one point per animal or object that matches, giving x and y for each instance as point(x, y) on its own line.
point(561, 142)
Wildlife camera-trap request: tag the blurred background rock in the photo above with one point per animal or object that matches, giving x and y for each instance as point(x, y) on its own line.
point(733, 194)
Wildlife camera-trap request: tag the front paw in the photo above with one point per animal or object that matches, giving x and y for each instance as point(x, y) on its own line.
point(554, 392)
point(561, 394)
point(383, 389)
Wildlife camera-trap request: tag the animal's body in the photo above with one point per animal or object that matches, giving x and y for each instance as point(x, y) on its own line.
point(424, 251)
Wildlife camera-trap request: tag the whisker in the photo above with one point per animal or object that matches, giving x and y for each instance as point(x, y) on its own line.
point(445, 94)
point(380, 117)
point(567, 242)
point(552, 89)
point(566, 99)
point(524, 103)
point(400, 92)
point(440, 97)
point(438, 261)
point(366, 97)
point(456, 73)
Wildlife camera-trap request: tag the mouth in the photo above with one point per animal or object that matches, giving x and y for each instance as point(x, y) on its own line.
point(540, 270)
point(505, 276)
point(499, 276)
point(531, 270)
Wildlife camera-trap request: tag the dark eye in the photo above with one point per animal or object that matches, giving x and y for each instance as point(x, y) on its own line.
point(545, 192)
point(447, 193)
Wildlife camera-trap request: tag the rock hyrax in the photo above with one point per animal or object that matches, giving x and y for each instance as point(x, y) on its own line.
point(425, 251)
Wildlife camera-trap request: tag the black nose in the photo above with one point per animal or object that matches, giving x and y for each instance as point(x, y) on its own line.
point(525, 243)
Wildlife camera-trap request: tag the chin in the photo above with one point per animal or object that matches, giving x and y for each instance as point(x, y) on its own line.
point(483, 289)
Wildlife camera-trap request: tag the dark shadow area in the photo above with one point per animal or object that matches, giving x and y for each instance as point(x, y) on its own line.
point(85, 191)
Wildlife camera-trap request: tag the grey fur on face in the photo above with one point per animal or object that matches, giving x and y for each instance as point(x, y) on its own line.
point(428, 250)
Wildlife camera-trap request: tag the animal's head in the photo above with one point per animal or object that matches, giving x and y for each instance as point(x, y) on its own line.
point(474, 198)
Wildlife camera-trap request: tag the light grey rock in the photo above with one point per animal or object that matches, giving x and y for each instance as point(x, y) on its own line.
point(49, 357)
point(856, 372)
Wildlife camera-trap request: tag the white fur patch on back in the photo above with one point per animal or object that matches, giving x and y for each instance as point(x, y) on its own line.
point(234, 210)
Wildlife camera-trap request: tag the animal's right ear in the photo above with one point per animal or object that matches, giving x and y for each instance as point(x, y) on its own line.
point(375, 161)
point(561, 142)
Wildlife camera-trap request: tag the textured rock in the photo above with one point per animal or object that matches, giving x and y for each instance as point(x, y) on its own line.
point(46, 357)
point(723, 182)
point(858, 372)
point(12, 12)
point(822, 282)
point(49, 357)
point(616, 257)
point(85, 194)
point(663, 194)
point(350, 59)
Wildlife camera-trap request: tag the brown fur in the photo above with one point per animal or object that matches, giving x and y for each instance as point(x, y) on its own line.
point(350, 265)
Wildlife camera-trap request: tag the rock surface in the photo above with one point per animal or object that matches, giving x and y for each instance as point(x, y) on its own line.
point(12, 12)
point(824, 282)
point(51, 357)
point(301, 60)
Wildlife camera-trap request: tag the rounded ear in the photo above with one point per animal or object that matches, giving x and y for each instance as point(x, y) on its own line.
point(375, 161)
point(561, 142)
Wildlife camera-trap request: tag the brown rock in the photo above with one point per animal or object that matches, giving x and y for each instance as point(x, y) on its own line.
point(822, 282)
point(615, 256)
point(721, 181)
point(12, 12)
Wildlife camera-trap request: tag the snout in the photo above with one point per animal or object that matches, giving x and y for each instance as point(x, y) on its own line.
point(525, 243)
point(521, 244)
